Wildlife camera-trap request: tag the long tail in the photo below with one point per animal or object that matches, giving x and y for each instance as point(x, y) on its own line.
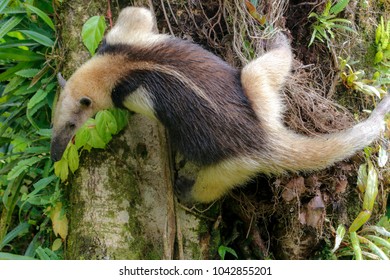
point(294, 152)
point(287, 150)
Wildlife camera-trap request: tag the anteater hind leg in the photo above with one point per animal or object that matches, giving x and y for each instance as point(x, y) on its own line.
point(216, 180)
point(262, 80)
point(135, 25)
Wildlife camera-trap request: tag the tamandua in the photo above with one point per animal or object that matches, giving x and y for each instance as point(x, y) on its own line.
point(226, 121)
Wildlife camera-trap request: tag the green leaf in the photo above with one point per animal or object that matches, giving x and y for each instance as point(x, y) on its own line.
point(45, 132)
point(360, 220)
point(19, 230)
point(22, 166)
point(344, 27)
point(82, 136)
point(356, 245)
point(14, 83)
point(27, 73)
point(9, 256)
point(41, 14)
point(56, 244)
point(371, 189)
point(3, 5)
point(121, 118)
point(61, 169)
point(373, 248)
point(14, 10)
point(9, 73)
point(340, 233)
point(96, 141)
point(42, 183)
point(339, 7)
point(362, 178)
point(38, 150)
point(30, 251)
point(93, 32)
point(32, 197)
point(38, 37)
point(18, 43)
point(379, 241)
point(39, 96)
point(313, 36)
point(327, 8)
point(378, 33)
point(37, 102)
point(42, 254)
point(105, 125)
point(222, 250)
point(18, 54)
point(378, 57)
point(73, 158)
point(9, 25)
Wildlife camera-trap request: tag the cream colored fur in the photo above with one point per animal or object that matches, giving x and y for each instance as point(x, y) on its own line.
point(140, 102)
point(135, 25)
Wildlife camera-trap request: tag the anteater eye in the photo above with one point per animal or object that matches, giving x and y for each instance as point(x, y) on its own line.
point(85, 101)
point(71, 125)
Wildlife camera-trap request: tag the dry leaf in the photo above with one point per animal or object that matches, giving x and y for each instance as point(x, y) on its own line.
point(59, 221)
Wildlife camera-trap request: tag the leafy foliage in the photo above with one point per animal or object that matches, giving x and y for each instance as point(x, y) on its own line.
point(28, 187)
point(356, 80)
point(326, 22)
point(365, 241)
point(382, 56)
point(33, 222)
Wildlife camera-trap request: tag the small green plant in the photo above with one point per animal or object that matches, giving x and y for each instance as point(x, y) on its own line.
point(371, 242)
point(382, 55)
point(326, 22)
point(365, 241)
point(222, 250)
point(29, 190)
point(355, 80)
point(382, 43)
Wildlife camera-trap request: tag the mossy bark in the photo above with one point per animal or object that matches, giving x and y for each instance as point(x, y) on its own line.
point(121, 199)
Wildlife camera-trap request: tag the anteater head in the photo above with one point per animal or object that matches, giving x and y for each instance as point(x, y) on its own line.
point(89, 89)
point(81, 98)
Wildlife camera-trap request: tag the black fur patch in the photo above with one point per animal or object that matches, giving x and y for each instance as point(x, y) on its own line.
point(204, 133)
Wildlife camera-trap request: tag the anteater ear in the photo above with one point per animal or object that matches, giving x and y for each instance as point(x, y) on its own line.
point(61, 80)
point(85, 101)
